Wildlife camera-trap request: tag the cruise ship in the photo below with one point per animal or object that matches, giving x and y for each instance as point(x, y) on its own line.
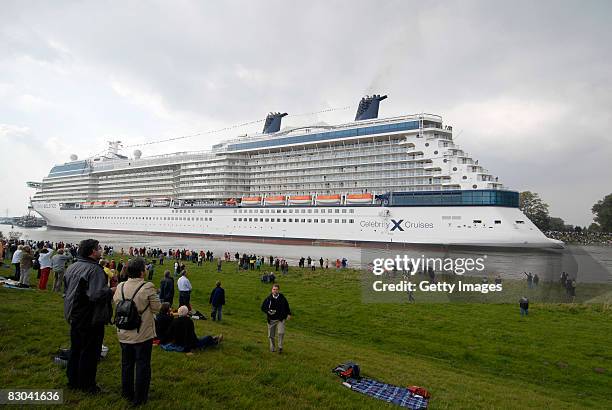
point(399, 180)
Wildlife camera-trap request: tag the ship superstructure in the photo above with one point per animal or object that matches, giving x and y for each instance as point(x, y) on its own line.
point(370, 166)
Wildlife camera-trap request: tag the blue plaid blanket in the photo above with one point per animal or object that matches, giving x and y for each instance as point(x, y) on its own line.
point(389, 393)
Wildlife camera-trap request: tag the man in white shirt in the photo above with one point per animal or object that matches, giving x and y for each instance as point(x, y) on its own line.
point(16, 261)
point(184, 287)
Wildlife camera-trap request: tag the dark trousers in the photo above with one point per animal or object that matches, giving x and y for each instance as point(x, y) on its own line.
point(136, 357)
point(85, 348)
point(185, 298)
point(17, 270)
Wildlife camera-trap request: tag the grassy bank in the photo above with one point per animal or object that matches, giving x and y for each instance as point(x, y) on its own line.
point(467, 355)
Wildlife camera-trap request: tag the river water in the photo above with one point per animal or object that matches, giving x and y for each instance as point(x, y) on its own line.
point(590, 264)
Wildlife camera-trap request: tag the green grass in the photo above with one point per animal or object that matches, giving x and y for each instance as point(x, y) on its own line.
point(468, 355)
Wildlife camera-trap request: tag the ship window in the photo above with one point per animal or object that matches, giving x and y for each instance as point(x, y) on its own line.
point(336, 221)
point(435, 152)
point(427, 144)
point(477, 221)
point(303, 211)
point(316, 221)
point(284, 219)
point(239, 219)
point(267, 219)
point(234, 219)
point(303, 220)
point(272, 219)
point(351, 221)
point(290, 219)
point(310, 211)
point(344, 211)
point(322, 221)
point(464, 177)
point(344, 221)
point(291, 211)
point(454, 168)
point(351, 211)
point(497, 222)
point(250, 219)
point(329, 221)
point(310, 221)
point(337, 211)
point(316, 211)
point(520, 222)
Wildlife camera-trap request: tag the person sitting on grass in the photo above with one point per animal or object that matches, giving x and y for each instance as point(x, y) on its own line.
point(163, 322)
point(182, 333)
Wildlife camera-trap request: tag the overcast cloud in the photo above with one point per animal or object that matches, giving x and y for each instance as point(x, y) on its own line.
point(527, 86)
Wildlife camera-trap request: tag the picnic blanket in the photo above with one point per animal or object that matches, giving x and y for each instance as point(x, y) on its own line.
point(400, 396)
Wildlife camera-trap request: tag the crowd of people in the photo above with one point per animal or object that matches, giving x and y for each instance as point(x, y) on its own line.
point(583, 237)
point(96, 281)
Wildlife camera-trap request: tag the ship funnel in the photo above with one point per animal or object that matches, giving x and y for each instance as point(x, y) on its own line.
point(368, 107)
point(273, 122)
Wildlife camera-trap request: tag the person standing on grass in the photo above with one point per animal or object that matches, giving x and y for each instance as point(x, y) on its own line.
point(16, 261)
point(87, 307)
point(166, 289)
point(184, 287)
point(25, 261)
point(524, 305)
point(136, 344)
point(58, 264)
point(277, 311)
point(217, 300)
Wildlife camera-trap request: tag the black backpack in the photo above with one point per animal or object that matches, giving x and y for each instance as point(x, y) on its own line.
point(127, 316)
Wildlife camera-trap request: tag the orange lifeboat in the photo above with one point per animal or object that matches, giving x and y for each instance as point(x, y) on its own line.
point(275, 200)
point(359, 198)
point(231, 201)
point(251, 201)
point(329, 199)
point(300, 200)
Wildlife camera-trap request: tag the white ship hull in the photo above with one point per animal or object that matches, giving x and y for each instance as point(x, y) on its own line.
point(460, 225)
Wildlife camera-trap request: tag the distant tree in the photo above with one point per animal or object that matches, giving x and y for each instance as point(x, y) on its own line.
point(578, 229)
point(568, 228)
point(594, 227)
point(603, 213)
point(535, 209)
point(556, 224)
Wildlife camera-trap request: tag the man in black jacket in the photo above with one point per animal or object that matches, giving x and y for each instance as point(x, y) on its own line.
point(276, 307)
point(166, 289)
point(217, 300)
point(87, 307)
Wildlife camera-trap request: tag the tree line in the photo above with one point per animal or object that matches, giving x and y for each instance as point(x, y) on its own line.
point(537, 211)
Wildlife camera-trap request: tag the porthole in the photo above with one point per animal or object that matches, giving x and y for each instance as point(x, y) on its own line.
point(427, 144)
point(454, 168)
point(464, 177)
point(474, 186)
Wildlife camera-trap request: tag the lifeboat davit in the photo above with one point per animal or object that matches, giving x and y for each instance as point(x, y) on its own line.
point(275, 200)
point(251, 201)
point(359, 198)
point(300, 200)
point(329, 199)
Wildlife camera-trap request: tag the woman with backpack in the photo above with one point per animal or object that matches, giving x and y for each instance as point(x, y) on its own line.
point(137, 301)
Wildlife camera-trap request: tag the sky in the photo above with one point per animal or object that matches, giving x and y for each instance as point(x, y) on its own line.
point(527, 86)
